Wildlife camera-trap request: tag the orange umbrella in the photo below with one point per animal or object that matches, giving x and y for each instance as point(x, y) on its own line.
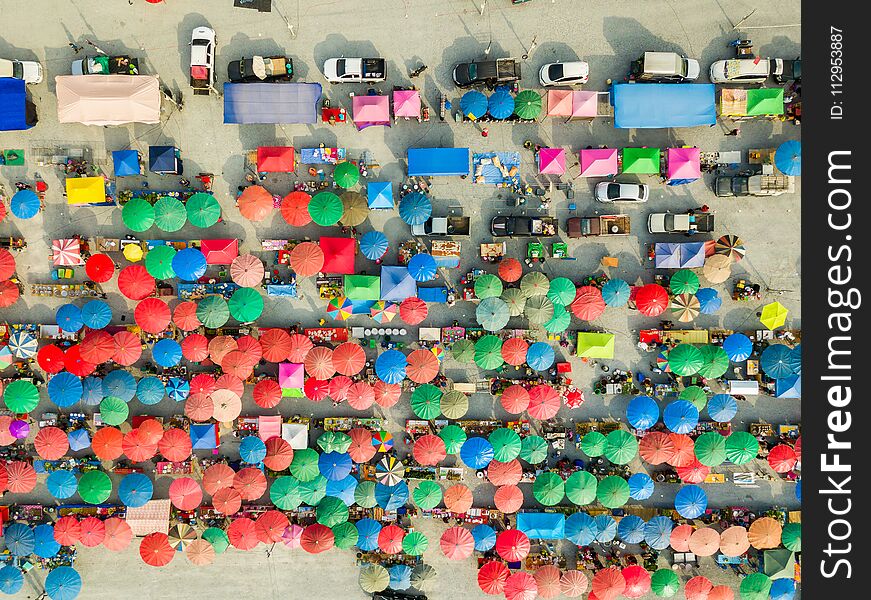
point(21, 477)
point(349, 358)
point(390, 539)
point(135, 446)
point(429, 450)
point(267, 393)
point(255, 203)
point(318, 538)
point(656, 447)
point(97, 347)
point(763, 533)
point(608, 583)
point(510, 269)
point(247, 270)
point(683, 450)
point(242, 533)
point(458, 498)
point(422, 367)
point(698, 588)
point(721, 592)
point(508, 498)
point(515, 399)
point(175, 445)
point(200, 552)
point(218, 477)
point(307, 259)
point(360, 395)
point(93, 532)
point(680, 538)
point(734, 541)
point(185, 316)
point(230, 382)
point(227, 501)
point(185, 493)
point(512, 545)
point(413, 310)
point(514, 351)
point(227, 405)
point(457, 543)
point(220, 346)
point(106, 443)
point(118, 534)
point(51, 443)
point(294, 209)
point(275, 344)
point(67, 531)
point(127, 349)
point(237, 363)
point(505, 473)
point(279, 454)
point(573, 583)
point(199, 407)
point(154, 549)
point(704, 541)
point(544, 402)
point(319, 362)
point(270, 526)
point(386, 394)
point(548, 580)
point(251, 483)
point(151, 431)
point(195, 348)
point(361, 449)
point(300, 345)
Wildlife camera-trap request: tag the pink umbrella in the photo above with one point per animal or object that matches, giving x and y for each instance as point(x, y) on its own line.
point(220, 346)
point(544, 402)
point(291, 536)
point(247, 270)
point(520, 585)
point(515, 399)
point(552, 161)
point(598, 162)
point(457, 543)
point(680, 538)
point(698, 588)
point(548, 580)
point(683, 163)
point(505, 473)
point(705, 541)
point(574, 583)
point(319, 362)
point(185, 493)
point(406, 103)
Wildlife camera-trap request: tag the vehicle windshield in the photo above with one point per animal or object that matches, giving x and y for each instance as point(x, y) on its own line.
point(613, 190)
point(17, 71)
point(669, 222)
point(473, 71)
point(555, 72)
point(340, 67)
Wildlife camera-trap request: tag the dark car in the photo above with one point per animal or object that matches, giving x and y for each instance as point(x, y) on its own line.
point(511, 226)
point(791, 71)
point(488, 72)
point(260, 69)
point(726, 187)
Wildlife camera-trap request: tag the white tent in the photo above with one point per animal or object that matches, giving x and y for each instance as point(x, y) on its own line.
point(108, 99)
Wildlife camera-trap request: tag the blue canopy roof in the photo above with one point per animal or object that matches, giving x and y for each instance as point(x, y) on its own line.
point(379, 194)
point(271, 103)
point(438, 161)
point(126, 162)
point(432, 294)
point(203, 436)
point(788, 387)
point(13, 105)
point(663, 105)
point(163, 159)
point(397, 284)
point(542, 526)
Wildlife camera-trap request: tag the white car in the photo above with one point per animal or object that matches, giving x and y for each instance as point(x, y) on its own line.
point(613, 191)
point(745, 70)
point(564, 73)
point(203, 42)
point(28, 71)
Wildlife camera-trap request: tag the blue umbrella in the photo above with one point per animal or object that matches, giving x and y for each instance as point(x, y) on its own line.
point(500, 105)
point(630, 529)
point(189, 264)
point(178, 389)
point(722, 408)
point(709, 301)
point(738, 347)
point(422, 267)
point(45, 545)
point(23, 345)
point(642, 412)
point(640, 486)
point(798, 490)
point(391, 497)
point(65, 389)
point(390, 366)
point(796, 359)
point(69, 317)
point(252, 450)
point(615, 292)
point(476, 452)
point(690, 501)
point(485, 537)
point(11, 580)
point(335, 465)
point(79, 439)
point(150, 390)
point(606, 528)
point(657, 532)
point(473, 104)
point(92, 390)
point(580, 529)
point(400, 577)
point(96, 314)
point(681, 416)
point(120, 384)
point(777, 361)
point(25, 204)
point(166, 352)
point(19, 539)
point(540, 356)
point(62, 484)
point(63, 583)
point(367, 534)
point(373, 245)
point(787, 158)
point(782, 589)
point(343, 489)
point(135, 490)
point(415, 208)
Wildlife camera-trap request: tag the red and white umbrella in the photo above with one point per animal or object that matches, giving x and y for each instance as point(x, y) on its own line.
point(782, 458)
point(66, 252)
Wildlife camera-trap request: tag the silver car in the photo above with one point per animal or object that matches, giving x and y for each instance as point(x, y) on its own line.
point(564, 73)
point(614, 191)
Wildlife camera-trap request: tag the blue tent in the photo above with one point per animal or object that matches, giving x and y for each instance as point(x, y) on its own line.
point(615, 292)
point(415, 208)
point(787, 158)
point(367, 534)
point(666, 255)
point(65, 389)
point(422, 267)
point(79, 439)
point(166, 352)
point(580, 528)
point(16, 112)
point(189, 264)
point(738, 347)
point(680, 416)
point(164, 160)
point(150, 390)
point(92, 390)
point(390, 366)
point(473, 104)
point(476, 452)
point(709, 301)
point(397, 284)
point(432, 162)
point(96, 314)
point(722, 408)
point(778, 361)
point(126, 163)
point(798, 490)
point(203, 436)
point(391, 497)
point(657, 532)
point(45, 545)
point(373, 245)
point(663, 105)
point(642, 412)
point(630, 529)
point(692, 255)
point(788, 387)
point(500, 105)
point(484, 536)
point(11, 578)
point(25, 204)
point(782, 589)
point(640, 486)
point(606, 528)
point(252, 450)
point(690, 501)
point(62, 484)
point(288, 103)
point(379, 194)
point(433, 294)
point(20, 539)
point(63, 583)
point(540, 356)
point(178, 389)
point(542, 526)
point(69, 317)
point(334, 465)
point(135, 490)
point(400, 577)
point(343, 489)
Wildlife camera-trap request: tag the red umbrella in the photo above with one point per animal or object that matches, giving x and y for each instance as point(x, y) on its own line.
point(275, 344)
point(67, 531)
point(458, 499)
point(510, 269)
point(514, 351)
point(50, 359)
point(185, 316)
point(100, 268)
point(651, 300)
point(243, 533)
point(279, 454)
point(512, 545)
point(698, 588)
point(547, 578)
point(106, 443)
point(422, 367)
point(247, 270)
point(339, 386)
point(118, 534)
point(508, 498)
point(6, 439)
point(2, 212)
point(797, 448)
point(227, 501)
point(267, 393)
point(75, 364)
point(318, 538)
point(386, 394)
point(349, 358)
point(457, 543)
point(185, 493)
point(520, 585)
point(515, 399)
point(199, 407)
point(93, 532)
point(316, 389)
point(574, 398)
point(360, 396)
point(413, 310)
point(202, 384)
point(51, 443)
point(429, 450)
point(782, 458)
point(390, 539)
point(544, 402)
point(255, 203)
point(608, 583)
point(97, 346)
point(505, 473)
point(250, 347)
point(319, 362)
point(637, 581)
point(128, 348)
point(656, 447)
point(136, 447)
point(684, 450)
point(9, 294)
point(307, 259)
point(588, 304)
point(230, 382)
point(220, 346)
point(152, 315)
point(573, 583)
point(155, 550)
point(492, 577)
point(270, 526)
point(150, 431)
point(175, 445)
point(721, 592)
point(135, 282)
point(251, 483)
point(680, 538)
point(361, 449)
point(7, 264)
point(300, 345)
point(695, 472)
point(21, 477)
point(237, 363)
point(218, 477)
point(294, 209)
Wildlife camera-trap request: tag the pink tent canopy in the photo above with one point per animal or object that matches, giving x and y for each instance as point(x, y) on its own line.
point(598, 162)
point(683, 163)
point(220, 252)
point(371, 110)
point(585, 104)
point(559, 103)
point(291, 375)
point(552, 160)
point(406, 103)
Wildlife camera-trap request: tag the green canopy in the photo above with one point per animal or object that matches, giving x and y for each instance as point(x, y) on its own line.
point(791, 537)
point(312, 492)
point(346, 174)
point(593, 444)
point(113, 411)
point(534, 283)
point(374, 578)
point(325, 209)
point(488, 352)
point(613, 492)
point(778, 563)
point(362, 287)
point(765, 101)
point(581, 488)
point(305, 464)
point(685, 360)
point(684, 282)
point(560, 320)
point(426, 401)
point(217, 538)
point(665, 583)
point(715, 361)
point(331, 511)
point(696, 395)
point(454, 437)
point(158, 262)
point(364, 494)
point(284, 493)
point(595, 345)
point(169, 214)
point(454, 404)
point(415, 543)
point(21, 396)
point(755, 586)
point(641, 160)
point(213, 312)
point(506, 444)
point(203, 210)
point(539, 310)
point(561, 291)
point(427, 495)
point(345, 534)
point(488, 286)
point(620, 447)
point(549, 488)
point(533, 449)
point(138, 214)
point(741, 447)
point(94, 487)
point(710, 449)
point(515, 300)
point(463, 351)
point(527, 104)
point(334, 441)
point(246, 305)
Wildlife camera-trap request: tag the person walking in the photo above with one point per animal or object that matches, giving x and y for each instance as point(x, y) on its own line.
point(76, 47)
point(734, 132)
point(485, 132)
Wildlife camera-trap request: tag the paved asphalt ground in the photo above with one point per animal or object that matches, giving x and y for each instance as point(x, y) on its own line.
point(437, 33)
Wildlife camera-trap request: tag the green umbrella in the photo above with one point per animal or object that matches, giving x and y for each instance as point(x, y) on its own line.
point(561, 291)
point(331, 511)
point(346, 175)
point(21, 396)
point(305, 464)
point(463, 351)
point(95, 487)
point(203, 210)
point(549, 488)
point(364, 494)
point(684, 282)
point(539, 310)
point(427, 495)
point(158, 262)
point(113, 411)
point(454, 437)
point(665, 583)
point(560, 320)
point(791, 537)
point(696, 395)
point(710, 449)
point(345, 534)
point(334, 441)
point(492, 313)
point(169, 214)
point(755, 586)
point(488, 286)
point(455, 404)
point(715, 362)
point(138, 214)
point(213, 312)
point(685, 360)
point(312, 492)
point(217, 538)
point(613, 491)
point(506, 444)
point(534, 283)
point(527, 104)
point(374, 578)
point(284, 493)
point(246, 305)
point(581, 488)
point(325, 209)
point(593, 444)
point(620, 447)
point(426, 401)
point(515, 300)
point(488, 352)
point(741, 447)
point(415, 543)
point(533, 449)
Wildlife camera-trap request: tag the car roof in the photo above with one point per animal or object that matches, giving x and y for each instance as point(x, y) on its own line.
point(576, 69)
point(739, 67)
point(660, 63)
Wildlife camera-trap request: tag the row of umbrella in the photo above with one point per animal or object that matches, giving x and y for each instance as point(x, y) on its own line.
point(170, 214)
point(501, 104)
point(299, 209)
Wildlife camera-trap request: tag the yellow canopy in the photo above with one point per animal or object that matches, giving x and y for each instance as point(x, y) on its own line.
point(773, 315)
point(86, 190)
point(595, 345)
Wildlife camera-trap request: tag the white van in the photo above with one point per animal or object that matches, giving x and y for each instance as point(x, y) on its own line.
point(746, 70)
point(28, 71)
point(664, 67)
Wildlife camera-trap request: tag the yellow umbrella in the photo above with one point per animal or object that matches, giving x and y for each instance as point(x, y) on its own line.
point(133, 252)
point(773, 315)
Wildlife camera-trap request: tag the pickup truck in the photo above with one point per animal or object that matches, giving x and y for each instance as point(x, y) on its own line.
point(442, 226)
point(699, 222)
point(203, 42)
point(106, 65)
point(29, 71)
point(260, 68)
point(523, 226)
point(488, 72)
point(355, 70)
point(754, 185)
point(579, 227)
